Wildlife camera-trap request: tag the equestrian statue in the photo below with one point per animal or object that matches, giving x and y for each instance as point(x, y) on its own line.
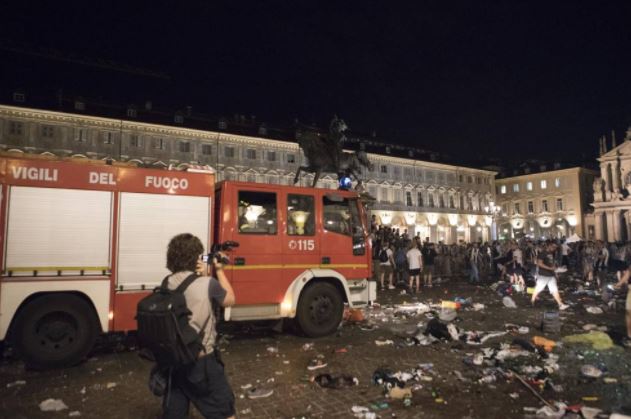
point(325, 154)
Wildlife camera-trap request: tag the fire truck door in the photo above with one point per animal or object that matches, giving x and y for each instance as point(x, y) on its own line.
point(301, 244)
point(257, 261)
point(343, 238)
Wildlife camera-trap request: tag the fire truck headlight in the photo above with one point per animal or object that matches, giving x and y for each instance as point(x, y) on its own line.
point(110, 315)
point(286, 308)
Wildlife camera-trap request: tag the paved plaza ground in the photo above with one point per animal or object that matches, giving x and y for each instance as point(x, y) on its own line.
point(113, 383)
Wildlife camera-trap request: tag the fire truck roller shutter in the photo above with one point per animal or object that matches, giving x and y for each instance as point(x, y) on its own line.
point(53, 230)
point(316, 299)
point(147, 223)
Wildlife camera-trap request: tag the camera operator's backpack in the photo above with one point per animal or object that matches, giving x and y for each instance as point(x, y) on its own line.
point(164, 328)
point(383, 256)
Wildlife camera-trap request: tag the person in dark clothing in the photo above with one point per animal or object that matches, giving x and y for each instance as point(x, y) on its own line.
point(429, 255)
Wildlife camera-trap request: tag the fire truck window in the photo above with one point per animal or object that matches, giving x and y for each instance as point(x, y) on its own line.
point(257, 212)
point(337, 216)
point(300, 215)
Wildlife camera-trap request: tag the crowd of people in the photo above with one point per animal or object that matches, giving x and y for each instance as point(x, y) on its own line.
point(402, 260)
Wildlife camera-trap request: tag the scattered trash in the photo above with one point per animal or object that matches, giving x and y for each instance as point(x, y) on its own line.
point(591, 371)
point(450, 304)
point(354, 315)
point(399, 393)
point(508, 302)
point(556, 411)
point(598, 340)
point(590, 398)
point(547, 344)
point(384, 342)
point(316, 364)
point(246, 411)
point(110, 385)
point(335, 381)
point(610, 380)
point(478, 306)
point(594, 310)
point(307, 347)
point(447, 315)
point(52, 405)
point(272, 349)
point(82, 391)
point(363, 412)
point(551, 322)
point(16, 383)
point(590, 412)
point(259, 393)
point(246, 386)
point(74, 414)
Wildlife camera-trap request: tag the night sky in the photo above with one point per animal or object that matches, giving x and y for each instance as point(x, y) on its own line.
point(511, 80)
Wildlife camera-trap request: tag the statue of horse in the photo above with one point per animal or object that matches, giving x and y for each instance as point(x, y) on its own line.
point(326, 155)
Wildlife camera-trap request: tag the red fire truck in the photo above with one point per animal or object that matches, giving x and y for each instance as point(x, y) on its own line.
point(83, 242)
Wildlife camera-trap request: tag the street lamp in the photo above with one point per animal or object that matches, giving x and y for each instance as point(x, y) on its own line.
point(493, 211)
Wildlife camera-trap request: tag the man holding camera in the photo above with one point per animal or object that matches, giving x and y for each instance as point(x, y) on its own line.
point(205, 383)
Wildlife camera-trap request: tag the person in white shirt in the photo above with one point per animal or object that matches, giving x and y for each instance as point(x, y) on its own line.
point(565, 251)
point(415, 263)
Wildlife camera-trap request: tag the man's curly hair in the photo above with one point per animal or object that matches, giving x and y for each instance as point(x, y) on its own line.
point(183, 253)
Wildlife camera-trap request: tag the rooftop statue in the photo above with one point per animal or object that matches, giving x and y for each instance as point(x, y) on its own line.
point(325, 154)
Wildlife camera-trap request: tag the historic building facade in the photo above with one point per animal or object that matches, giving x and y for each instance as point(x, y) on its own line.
point(439, 201)
point(548, 204)
point(611, 220)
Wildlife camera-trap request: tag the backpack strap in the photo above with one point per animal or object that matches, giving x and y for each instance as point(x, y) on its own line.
point(165, 283)
point(188, 281)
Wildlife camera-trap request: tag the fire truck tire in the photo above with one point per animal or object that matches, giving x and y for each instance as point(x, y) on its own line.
point(320, 310)
point(55, 330)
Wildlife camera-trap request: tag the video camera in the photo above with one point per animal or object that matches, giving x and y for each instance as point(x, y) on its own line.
point(220, 247)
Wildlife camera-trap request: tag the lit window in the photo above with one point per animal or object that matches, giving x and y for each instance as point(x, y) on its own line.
point(529, 186)
point(557, 182)
point(544, 184)
point(516, 187)
point(559, 204)
point(503, 189)
point(291, 158)
point(531, 207)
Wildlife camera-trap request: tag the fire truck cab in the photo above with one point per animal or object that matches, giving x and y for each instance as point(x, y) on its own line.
point(83, 242)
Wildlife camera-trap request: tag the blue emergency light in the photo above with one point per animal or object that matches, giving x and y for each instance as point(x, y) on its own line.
point(345, 182)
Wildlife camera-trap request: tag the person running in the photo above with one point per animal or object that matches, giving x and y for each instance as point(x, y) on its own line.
point(415, 264)
point(546, 276)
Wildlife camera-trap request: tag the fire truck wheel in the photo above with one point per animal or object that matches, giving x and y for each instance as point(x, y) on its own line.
point(320, 310)
point(55, 330)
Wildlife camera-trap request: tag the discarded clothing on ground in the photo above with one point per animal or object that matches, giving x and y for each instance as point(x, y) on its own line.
point(598, 340)
point(335, 381)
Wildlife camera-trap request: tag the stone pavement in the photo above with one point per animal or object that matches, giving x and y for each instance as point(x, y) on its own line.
point(112, 384)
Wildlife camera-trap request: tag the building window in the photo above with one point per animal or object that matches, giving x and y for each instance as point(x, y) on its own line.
point(559, 204)
point(452, 204)
point(516, 187)
point(504, 210)
point(419, 199)
point(80, 135)
point(178, 119)
point(557, 182)
point(383, 168)
point(477, 180)
point(291, 158)
point(529, 186)
point(503, 189)
point(185, 147)
point(79, 105)
point(430, 200)
point(470, 199)
point(271, 156)
point(207, 149)
point(460, 178)
point(407, 172)
point(461, 202)
point(132, 112)
point(531, 207)
point(544, 205)
point(16, 128)
point(408, 198)
point(48, 131)
point(396, 172)
point(134, 141)
point(228, 152)
point(441, 200)
point(387, 150)
point(222, 124)
point(19, 97)
point(384, 195)
point(108, 138)
point(250, 154)
point(544, 184)
point(158, 143)
point(517, 209)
